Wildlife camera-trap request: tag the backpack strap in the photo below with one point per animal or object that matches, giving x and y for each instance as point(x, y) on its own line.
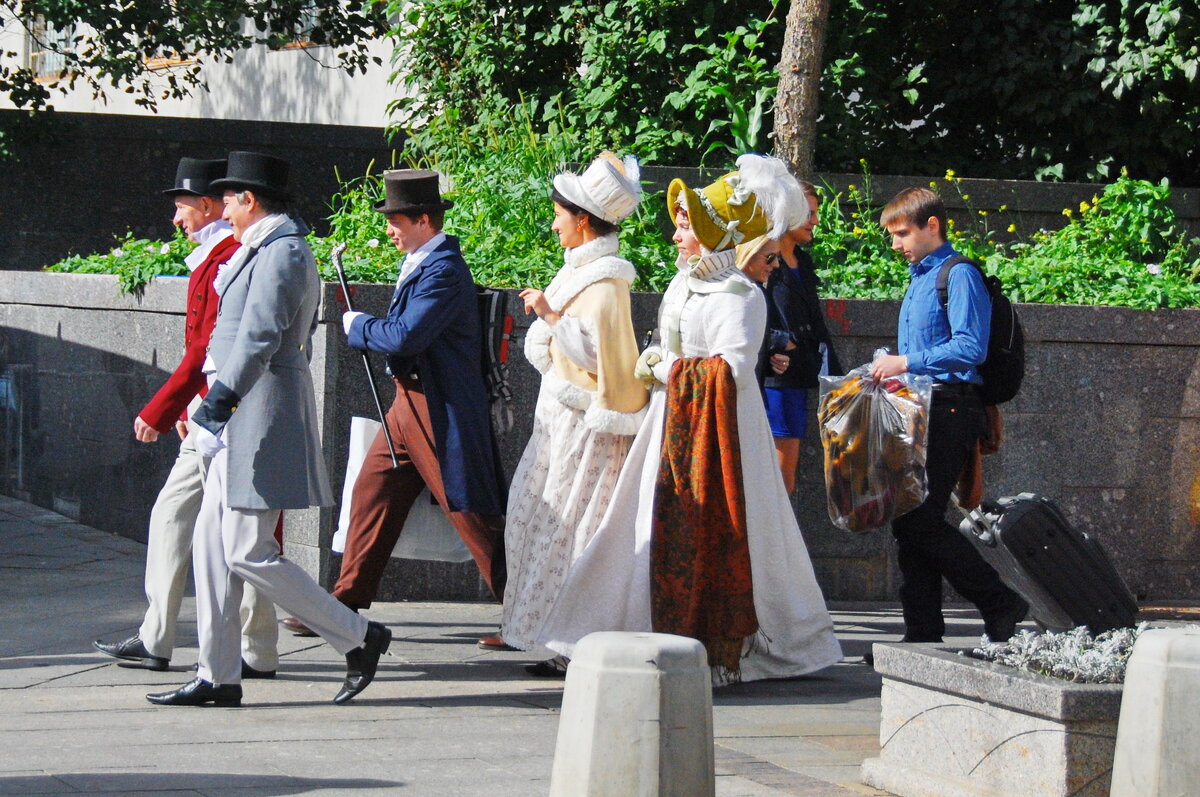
point(943, 277)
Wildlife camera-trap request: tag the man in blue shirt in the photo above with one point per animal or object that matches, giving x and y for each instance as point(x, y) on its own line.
point(948, 344)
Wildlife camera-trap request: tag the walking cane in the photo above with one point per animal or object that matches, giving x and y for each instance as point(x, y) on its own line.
point(336, 257)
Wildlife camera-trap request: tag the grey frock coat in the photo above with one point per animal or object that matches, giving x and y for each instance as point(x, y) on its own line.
point(263, 395)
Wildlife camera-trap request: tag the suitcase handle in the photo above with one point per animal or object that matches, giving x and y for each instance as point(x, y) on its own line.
point(976, 522)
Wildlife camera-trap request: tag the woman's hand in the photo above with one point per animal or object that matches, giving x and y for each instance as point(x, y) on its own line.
point(535, 301)
point(780, 362)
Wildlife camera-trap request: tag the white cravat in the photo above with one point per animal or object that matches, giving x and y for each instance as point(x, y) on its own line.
point(254, 235)
point(207, 237)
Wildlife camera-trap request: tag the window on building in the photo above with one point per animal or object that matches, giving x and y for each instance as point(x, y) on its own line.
point(46, 47)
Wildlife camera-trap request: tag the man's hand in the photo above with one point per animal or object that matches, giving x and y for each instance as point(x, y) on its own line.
point(181, 430)
point(889, 365)
point(535, 302)
point(348, 319)
point(780, 362)
point(144, 432)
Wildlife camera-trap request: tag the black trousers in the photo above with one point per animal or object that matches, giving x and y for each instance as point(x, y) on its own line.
point(929, 548)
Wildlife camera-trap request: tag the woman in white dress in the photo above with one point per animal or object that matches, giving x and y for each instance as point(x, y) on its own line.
point(589, 406)
point(710, 309)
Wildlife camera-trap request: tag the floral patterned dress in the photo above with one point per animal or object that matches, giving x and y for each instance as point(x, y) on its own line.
point(565, 478)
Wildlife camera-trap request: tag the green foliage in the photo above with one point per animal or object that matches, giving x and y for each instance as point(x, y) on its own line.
point(1124, 248)
point(655, 77)
point(1056, 89)
point(500, 180)
point(113, 45)
point(134, 261)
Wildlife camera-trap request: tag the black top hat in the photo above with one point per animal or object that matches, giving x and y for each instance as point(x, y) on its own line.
point(253, 171)
point(411, 191)
point(194, 177)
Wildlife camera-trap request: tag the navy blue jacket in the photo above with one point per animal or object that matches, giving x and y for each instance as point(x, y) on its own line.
point(794, 313)
point(432, 330)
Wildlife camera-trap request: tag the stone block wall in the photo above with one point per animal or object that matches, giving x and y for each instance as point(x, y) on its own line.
point(1108, 424)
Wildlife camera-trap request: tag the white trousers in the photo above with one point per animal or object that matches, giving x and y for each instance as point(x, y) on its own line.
point(168, 553)
point(235, 547)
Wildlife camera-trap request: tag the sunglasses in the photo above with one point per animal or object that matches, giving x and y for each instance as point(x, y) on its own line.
point(772, 258)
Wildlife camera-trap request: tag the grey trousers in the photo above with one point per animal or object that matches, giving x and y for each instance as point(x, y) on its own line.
point(235, 548)
point(168, 553)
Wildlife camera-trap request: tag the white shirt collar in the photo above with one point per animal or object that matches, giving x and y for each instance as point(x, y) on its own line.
point(207, 237)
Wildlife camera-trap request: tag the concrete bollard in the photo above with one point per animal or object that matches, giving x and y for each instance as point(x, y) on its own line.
point(636, 719)
point(1159, 730)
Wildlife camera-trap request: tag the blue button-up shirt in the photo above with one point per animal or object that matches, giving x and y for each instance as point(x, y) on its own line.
point(945, 344)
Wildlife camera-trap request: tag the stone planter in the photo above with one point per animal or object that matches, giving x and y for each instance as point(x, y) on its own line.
point(953, 726)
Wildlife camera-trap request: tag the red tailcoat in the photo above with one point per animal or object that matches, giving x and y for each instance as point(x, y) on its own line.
point(170, 402)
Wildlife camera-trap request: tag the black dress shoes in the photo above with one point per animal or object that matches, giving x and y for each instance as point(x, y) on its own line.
point(362, 662)
point(550, 668)
point(132, 653)
point(249, 672)
point(198, 692)
point(1003, 625)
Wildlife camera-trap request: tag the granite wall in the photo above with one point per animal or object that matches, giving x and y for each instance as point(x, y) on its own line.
point(1108, 423)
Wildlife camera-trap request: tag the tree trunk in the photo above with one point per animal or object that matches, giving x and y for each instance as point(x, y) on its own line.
point(800, 84)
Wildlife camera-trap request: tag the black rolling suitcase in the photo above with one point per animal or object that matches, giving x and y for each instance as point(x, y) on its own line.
point(1063, 573)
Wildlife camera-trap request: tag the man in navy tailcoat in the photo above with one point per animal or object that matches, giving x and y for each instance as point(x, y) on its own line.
point(439, 422)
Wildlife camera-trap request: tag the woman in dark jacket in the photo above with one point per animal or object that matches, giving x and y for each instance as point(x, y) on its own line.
point(798, 347)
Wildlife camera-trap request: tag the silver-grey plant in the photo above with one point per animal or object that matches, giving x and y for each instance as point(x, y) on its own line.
point(1073, 655)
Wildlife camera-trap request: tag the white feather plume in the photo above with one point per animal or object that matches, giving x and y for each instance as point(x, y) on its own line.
point(778, 192)
point(633, 174)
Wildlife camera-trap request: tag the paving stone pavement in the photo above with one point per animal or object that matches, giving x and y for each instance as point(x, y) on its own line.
point(442, 718)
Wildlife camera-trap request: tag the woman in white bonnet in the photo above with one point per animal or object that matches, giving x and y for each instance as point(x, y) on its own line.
point(589, 406)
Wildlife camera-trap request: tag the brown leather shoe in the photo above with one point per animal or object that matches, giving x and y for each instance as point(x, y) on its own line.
point(296, 627)
point(494, 642)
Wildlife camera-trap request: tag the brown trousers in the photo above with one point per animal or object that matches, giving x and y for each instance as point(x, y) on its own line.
point(383, 496)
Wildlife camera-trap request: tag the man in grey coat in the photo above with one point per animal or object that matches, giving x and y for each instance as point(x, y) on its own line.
point(259, 424)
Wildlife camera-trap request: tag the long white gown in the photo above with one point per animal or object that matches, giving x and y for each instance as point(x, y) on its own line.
point(566, 475)
point(608, 587)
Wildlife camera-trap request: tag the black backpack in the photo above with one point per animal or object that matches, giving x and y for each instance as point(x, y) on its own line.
point(496, 325)
point(1004, 367)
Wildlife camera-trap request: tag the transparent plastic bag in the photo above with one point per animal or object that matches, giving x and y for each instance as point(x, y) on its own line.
point(875, 436)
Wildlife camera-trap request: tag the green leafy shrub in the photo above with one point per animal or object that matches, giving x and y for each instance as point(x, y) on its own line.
point(134, 261)
point(1123, 248)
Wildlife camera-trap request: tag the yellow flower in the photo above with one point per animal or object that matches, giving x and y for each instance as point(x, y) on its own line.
point(853, 187)
point(1067, 212)
point(1084, 207)
point(1002, 208)
point(1012, 228)
point(949, 174)
point(966, 197)
point(854, 215)
point(858, 231)
point(933, 183)
point(981, 212)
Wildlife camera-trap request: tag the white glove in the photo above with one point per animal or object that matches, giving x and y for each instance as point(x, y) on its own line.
point(662, 369)
point(207, 443)
point(645, 362)
point(348, 319)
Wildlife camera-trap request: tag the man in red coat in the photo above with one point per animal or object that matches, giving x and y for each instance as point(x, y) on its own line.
point(172, 521)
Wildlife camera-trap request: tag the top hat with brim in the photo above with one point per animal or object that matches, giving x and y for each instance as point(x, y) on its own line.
point(194, 177)
point(411, 191)
point(723, 214)
point(609, 189)
point(260, 174)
